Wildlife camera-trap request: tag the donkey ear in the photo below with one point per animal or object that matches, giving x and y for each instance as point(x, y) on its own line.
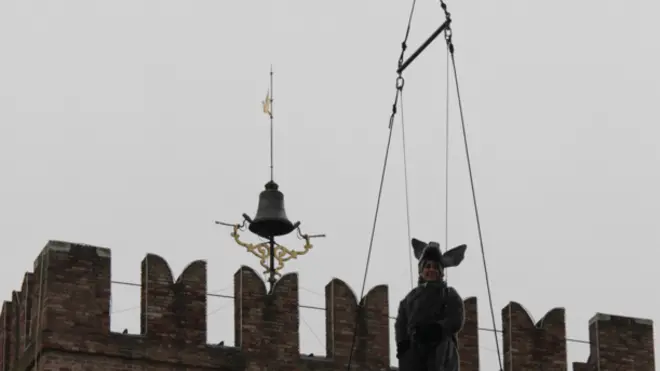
point(454, 257)
point(418, 247)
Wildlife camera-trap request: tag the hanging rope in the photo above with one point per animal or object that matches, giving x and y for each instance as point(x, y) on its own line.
point(399, 95)
point(450, 47)
point(399, 89)
point(404, 46)
point(405, 177)
point(447, 161)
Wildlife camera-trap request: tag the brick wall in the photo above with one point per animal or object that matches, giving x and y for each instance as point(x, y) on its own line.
point(61, 318)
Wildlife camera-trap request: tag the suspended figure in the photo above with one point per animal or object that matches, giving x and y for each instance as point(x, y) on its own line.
point(432, 314)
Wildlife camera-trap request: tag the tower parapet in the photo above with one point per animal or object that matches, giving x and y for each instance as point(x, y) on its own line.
point(61, 316)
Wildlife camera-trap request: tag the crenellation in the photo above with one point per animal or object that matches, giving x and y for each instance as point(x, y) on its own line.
point(174, 312)
point(618, 341)
point(68, 324)
point(371, 346)
point(6, 335)
point(468, 338)
point(533, 346)
point(268, 322)
point(190, 302)
point(340, 309)
point(374, 328)
point(281, 319)
point(17, 321)
point(13, 334)
point(75, 289)
point(156, 298)
point(29, 293)
point(249, 291)
point(11, 331)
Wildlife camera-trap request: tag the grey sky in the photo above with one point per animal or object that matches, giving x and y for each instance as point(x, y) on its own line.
point(133, 124)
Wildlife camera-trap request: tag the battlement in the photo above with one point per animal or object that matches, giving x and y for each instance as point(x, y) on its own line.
point(61, 317)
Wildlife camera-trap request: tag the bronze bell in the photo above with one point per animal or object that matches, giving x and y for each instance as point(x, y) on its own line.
point(271, 220)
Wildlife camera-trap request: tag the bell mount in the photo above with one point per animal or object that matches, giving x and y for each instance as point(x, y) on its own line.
point(271, 220)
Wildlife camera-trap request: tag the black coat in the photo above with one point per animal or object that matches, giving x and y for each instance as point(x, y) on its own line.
point(428, 321)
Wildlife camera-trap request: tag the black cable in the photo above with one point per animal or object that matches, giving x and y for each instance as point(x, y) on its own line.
point(405, 178)
point(373, 229)
point(404, 44)
point(447, 163)
point(226, 296)
point(474, 197)
point(399, 89)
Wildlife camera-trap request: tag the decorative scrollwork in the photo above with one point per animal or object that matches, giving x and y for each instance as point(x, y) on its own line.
point(281, 253)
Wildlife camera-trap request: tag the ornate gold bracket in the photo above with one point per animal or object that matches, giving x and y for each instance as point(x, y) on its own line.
point(281, 254)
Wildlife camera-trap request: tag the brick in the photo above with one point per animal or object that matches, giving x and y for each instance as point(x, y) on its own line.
point(74, 282)
point(621, 343)
point(60, 320)
point(267, 326)
point(468, 338)
point(371, 345)
point(173, 312)
point(529, 346)
point(6, 335)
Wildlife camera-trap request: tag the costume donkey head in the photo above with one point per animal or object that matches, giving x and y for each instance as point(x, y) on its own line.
point(431, 251)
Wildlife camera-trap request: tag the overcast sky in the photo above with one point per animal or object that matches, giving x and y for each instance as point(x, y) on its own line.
point(134, 124)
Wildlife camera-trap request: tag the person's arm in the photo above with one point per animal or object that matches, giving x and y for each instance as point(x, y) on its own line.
point(401, 330)
point(454, 313)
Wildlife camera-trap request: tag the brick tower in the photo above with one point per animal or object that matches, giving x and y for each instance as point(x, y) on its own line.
point(60, 318)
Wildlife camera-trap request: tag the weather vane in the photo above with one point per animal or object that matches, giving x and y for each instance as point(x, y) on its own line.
point(271, 220)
